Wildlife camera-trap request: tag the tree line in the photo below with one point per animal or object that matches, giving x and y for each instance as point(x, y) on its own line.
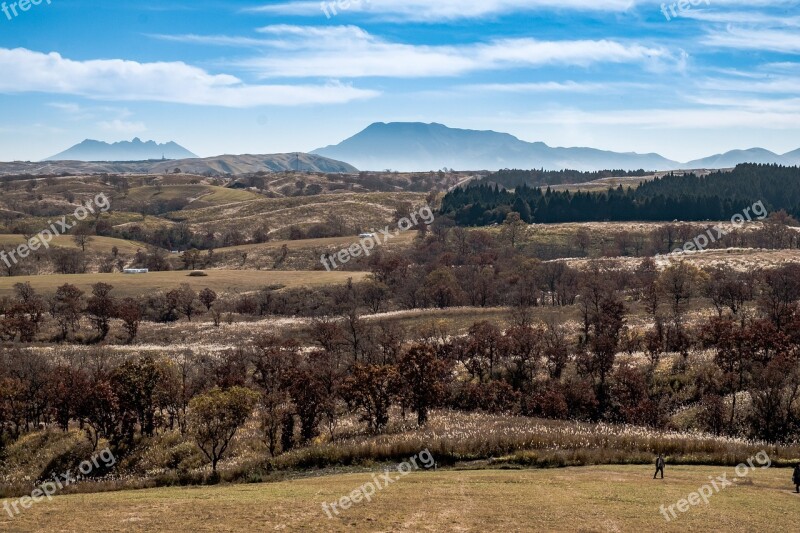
point(717, 196)
point(605, 369)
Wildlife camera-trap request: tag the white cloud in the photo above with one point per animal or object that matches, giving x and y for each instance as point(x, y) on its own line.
point(438, 10)
point(719, 115)
point(557, 87)
point(175, 82)
point(742, 17)
point(755, 39)
point(72, 109)
point(755, 84)
point(121, 126)
point(215, 40)
point(451, 10)
point(351, 52)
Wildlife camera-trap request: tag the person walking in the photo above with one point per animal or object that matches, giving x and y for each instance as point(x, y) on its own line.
point(796, 478)
point(659, 466)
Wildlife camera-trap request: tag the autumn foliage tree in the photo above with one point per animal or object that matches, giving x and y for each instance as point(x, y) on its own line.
point(424, 380)
point(101, 308)
point(371, 389)
point(66, 307)
point(216, 416)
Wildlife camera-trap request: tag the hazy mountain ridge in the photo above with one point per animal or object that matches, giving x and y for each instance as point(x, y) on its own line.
point(753, 155)
point(408, 146)
point(135, 150)
point(224, 164)
point(403, 146)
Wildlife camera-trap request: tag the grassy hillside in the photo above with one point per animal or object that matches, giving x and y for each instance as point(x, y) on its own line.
point(303, 254)
point(200, 195)
point(618, 498)
point(97, 244)
point(358, 212)
point(218, 280)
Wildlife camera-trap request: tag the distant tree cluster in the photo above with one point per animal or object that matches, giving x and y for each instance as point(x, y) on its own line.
point(717, 196)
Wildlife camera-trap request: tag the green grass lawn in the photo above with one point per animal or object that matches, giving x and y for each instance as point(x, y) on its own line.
point(608, 498)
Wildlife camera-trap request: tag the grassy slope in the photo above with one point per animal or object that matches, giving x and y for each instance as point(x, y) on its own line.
point(204, 195)
point(612, 498)
point(97, 244)
point(218, 280)
point(362, 211)
point(312, 244)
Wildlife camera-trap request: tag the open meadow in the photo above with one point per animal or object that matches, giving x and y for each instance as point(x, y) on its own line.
point(217, 280)
point(586, 499)
point(96, 244)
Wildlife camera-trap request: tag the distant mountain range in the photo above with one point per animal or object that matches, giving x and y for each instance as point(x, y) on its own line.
point(410, 146)
point(135, 150)
point(753, 155)
point(402, 146)
point(224, 164)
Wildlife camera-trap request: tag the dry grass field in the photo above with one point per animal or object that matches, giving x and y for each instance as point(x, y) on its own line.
point(200, 195)
point(603, 184)
point(364, 211)
point(588, 499)
point(404, 238)
point(741, 259)
point(221, 281)
point(102, 245)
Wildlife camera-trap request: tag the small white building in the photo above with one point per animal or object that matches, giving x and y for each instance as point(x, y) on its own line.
point(136, 271)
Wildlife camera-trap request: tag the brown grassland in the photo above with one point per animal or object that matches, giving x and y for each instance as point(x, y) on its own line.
point(97, 244)
point(589, 499)
point(217, 280)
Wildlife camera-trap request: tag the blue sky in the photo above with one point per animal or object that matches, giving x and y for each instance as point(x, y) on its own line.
point(266, 77)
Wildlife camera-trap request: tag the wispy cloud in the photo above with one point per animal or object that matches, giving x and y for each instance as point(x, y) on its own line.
point(66, 107)
point(121, 126)
point(216, 40)
point(758, 84)
point(442, 10)
point(557, 87)
point(743, 17)
point(775, 40)
point(668, 119)
point(351, 52)
point(175, 82)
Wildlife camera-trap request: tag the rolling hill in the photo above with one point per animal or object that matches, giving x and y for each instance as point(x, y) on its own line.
point(224, 164)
